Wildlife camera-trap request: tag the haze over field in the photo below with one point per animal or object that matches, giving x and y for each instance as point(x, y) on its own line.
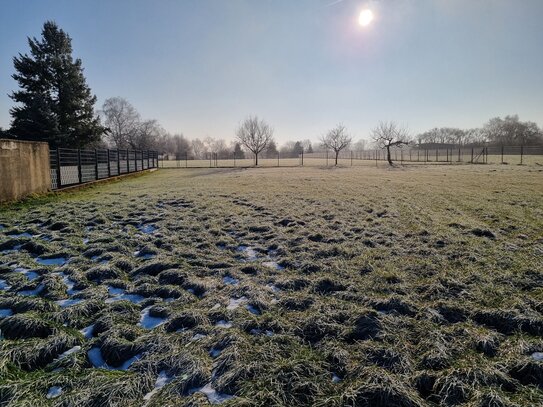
point(200, 67)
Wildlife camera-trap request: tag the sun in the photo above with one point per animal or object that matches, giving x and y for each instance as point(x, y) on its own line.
point(365, 17)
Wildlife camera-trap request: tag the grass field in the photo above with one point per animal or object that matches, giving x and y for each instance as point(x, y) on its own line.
point(362, 286)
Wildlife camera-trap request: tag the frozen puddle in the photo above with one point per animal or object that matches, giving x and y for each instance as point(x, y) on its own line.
point(224, 324)
point(537, 356)
point(235, 303)
point(230, 280)
point(69, 302)
point(31, 275)
point(5, 312)
point(162, 380)
point(53, 392)
point(87, 331)
point(147, 229)
point(119, 294)
point(149, 322)
point(52, 261)
point(97, 360)
point(212, 395)
point(35, 291)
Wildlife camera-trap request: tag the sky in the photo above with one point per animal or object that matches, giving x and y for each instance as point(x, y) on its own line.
point(199, 67)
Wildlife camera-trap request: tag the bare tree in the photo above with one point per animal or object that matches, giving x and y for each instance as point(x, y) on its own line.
point(389, 134)
point(122, 121)
point(255, 135)
point(336, 139)
point(146, 136)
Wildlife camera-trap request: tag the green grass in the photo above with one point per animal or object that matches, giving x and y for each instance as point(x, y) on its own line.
point(414, 286)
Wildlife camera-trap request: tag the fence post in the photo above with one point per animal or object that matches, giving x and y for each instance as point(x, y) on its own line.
point(437, 155)
point(96, 163)
point(109, 164)
point(118, 162)
point(521, 154)
point(59, 183)
point(278, 158)
point(502, 154)
point(210, 157)
point(234, 158)
point(79, 172)
point(351, 158)
point(459, 154)
point(472, 155)
point(327, 158)
point(376, 164)
point(302, 157)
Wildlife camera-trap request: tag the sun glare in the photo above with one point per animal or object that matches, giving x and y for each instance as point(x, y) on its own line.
point(365, 17)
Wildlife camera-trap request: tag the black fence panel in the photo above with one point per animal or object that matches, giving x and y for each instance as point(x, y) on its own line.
point(74, 166)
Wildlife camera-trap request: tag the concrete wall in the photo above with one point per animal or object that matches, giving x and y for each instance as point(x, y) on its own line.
point(24, 169)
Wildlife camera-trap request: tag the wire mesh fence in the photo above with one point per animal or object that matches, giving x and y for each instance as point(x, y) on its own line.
point(522, 155)
point(74, 166)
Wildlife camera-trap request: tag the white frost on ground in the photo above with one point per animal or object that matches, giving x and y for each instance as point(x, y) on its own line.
point(69, 302)
point(235, 302)
point(224, 324)
point(249, 252)
point(97, 360)
point(162, 380)
point(31, 275)
point(149, 322)
point(212, 395)
point(54, 391)
point(118, 294)
point(230, 280)
point(87, 331)
point(4, 285)
point(70, 351)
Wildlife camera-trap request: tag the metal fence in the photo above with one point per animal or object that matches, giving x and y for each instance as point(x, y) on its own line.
point(522, 155)
point(74, 166)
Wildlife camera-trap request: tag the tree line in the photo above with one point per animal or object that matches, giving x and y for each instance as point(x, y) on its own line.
point(55, 104)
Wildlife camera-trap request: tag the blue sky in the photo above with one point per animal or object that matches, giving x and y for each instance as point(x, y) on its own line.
point(199, 67)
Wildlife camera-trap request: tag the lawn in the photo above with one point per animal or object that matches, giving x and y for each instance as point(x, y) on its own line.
point(314, 286)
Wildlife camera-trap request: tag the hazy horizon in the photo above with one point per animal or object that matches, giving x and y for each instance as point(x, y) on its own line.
point(200, 67)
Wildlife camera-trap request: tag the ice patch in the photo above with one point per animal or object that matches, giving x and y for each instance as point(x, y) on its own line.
point(5, 312)
point(224, 324)
point(197, 337)
point(235, 303)
point(97, 360)
point(144, 256)
point(53, 392)
point(69, 284)
point(214, 352)
point(162, 380)
point(537, 356)
point(335, 378)
point(35, 291)
point(212, 395)
point(230, 280)
point(53, 261)
point(149, 322)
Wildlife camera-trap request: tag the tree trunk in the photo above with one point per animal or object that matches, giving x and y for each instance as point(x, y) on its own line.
point(388, 155)
point(337, 153)
point(256, 160)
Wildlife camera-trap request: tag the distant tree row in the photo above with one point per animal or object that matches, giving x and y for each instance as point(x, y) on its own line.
point(510, 131)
